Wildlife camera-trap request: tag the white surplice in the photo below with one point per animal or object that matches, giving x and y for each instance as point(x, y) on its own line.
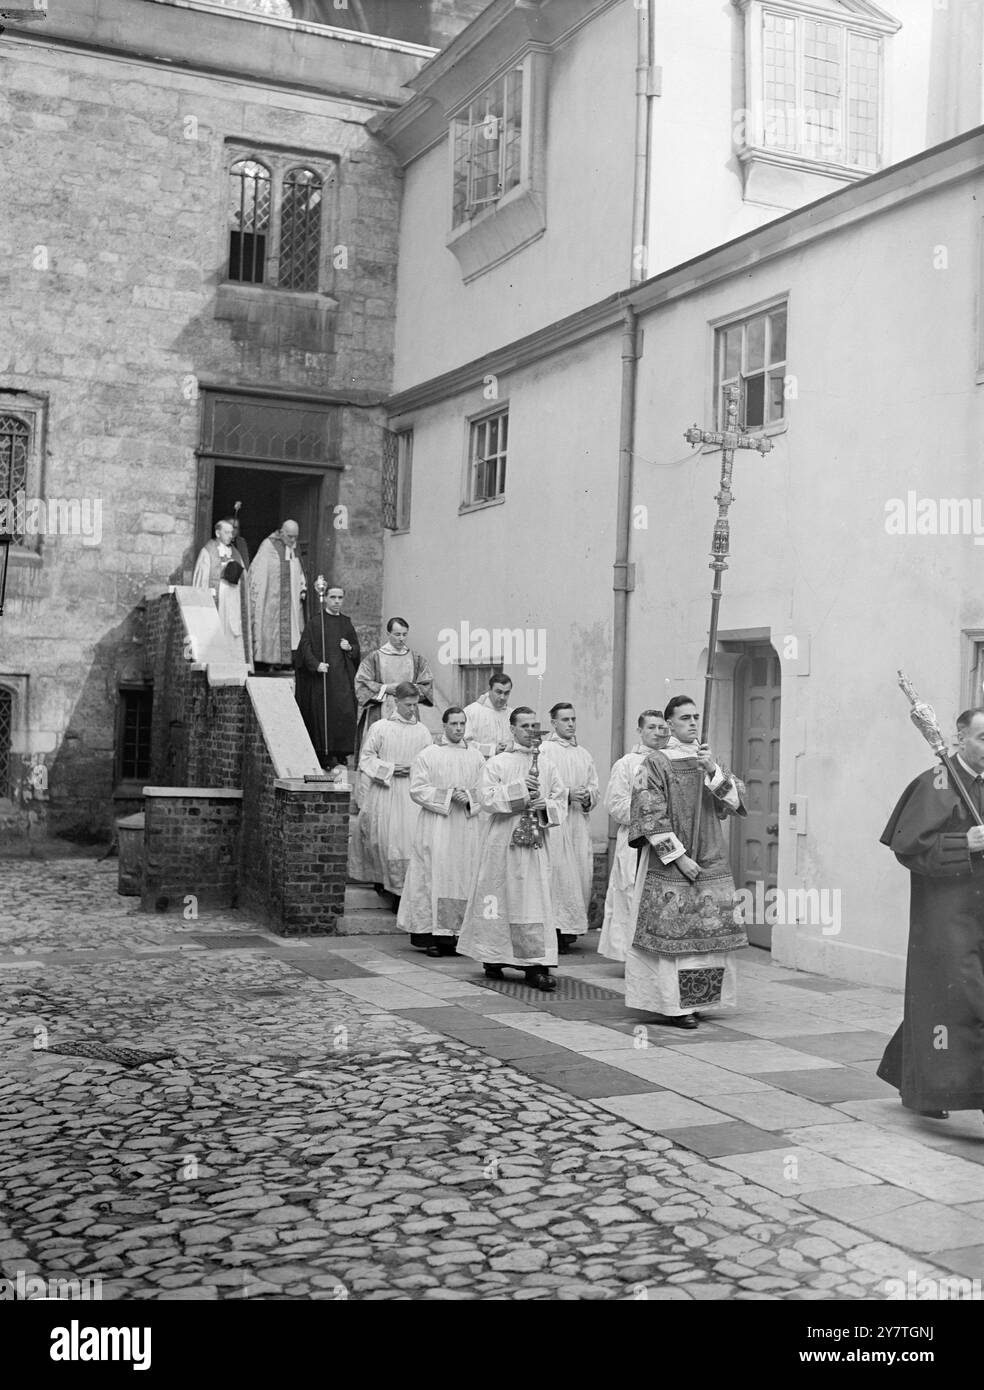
point(571, 855)
point(486, 727)
point(382, 832)
point(619, 923)
point(444, 854)
point(509, 918)
point(652, 982)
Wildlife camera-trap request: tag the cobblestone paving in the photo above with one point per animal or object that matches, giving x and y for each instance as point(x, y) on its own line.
point(347, 1119)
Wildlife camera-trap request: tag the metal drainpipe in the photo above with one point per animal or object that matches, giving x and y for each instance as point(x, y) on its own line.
point(624, 576)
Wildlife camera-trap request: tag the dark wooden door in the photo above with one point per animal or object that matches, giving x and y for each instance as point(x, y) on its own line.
point(755, 845)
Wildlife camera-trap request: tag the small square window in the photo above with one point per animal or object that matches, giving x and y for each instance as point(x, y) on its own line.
point(751, 354)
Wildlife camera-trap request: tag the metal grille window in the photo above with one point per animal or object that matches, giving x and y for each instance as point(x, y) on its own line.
point(752, 355)
point(268, 431)
point(821, 89)
point(300, 230)
point(6, 739)
point(397, 477)
point(473, 680)
point(133, 759)
point(487, 141)
point(487, 458)
point(15, 439)
point(249, 225)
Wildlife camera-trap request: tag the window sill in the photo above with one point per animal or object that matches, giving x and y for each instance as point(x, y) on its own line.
point(497, 233)
point(398, 530)
point(129, 791)
point(480, 506)
point(242, 289)
point(779, 178)
point(20, 556)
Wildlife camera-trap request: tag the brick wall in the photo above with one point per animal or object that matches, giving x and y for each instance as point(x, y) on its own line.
point(190, 850)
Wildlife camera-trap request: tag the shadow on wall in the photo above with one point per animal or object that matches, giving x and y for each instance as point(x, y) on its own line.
point(82, 772)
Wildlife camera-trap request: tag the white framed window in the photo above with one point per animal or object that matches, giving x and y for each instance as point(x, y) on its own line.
point(497, 152)
point(487, 138)
point(750, 353)
point(488, 442)
point(815, 82)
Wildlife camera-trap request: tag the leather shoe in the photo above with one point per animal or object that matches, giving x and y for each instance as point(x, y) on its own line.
point(540, 979)
point(934, 1114)
point(494, 972)
point(434, 952)
point(420, 939)
point(676, 1020)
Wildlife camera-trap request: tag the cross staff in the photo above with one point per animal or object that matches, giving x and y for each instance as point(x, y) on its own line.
point(730, 440)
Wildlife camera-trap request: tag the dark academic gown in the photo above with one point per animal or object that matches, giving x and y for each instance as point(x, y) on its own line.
point(339, 736)
point(936, 1059)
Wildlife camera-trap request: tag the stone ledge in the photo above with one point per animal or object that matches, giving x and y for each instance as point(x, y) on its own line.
point(203, 793)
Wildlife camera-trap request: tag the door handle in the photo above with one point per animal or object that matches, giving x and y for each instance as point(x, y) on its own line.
point(772, 829)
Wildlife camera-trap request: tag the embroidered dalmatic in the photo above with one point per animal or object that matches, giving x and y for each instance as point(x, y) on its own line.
point(382, 832)
point(686, 934)
point(486, 727)
point(571, 855)
point(619, 923)
point(387, 666)
point(444, 854)
point(509, 917)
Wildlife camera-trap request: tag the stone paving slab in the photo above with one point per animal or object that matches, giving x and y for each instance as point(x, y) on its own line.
point(315, 1139)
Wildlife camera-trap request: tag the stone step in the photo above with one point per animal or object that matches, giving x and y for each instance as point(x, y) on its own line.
point(365, 914)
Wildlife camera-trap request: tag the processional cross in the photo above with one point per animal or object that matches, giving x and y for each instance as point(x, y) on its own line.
point(729, 440)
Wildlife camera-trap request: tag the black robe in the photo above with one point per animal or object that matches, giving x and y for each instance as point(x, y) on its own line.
point(936, 1058)
point(339, 736)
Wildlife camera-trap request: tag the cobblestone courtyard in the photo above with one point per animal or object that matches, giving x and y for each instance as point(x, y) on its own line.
point(346, 1118)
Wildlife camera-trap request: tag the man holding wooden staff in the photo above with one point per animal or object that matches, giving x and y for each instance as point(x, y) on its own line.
point(936, 1058)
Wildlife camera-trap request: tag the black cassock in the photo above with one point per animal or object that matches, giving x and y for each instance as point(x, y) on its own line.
point(339, 736)
point(936, 1059)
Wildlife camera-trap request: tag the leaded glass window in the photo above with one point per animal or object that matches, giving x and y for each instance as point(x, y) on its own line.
point(249, 224)
point(15, 438)
point(300, 230)
point(488, 139)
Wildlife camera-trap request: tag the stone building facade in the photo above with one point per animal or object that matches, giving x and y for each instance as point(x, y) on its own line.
point(200, 237)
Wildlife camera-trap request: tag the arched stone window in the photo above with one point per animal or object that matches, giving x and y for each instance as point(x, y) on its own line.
point(15, 442)
point(249, 221)
point(300, 230)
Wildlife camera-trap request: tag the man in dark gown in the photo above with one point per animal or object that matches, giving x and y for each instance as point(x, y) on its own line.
point(936, 1058)
point(326, 677)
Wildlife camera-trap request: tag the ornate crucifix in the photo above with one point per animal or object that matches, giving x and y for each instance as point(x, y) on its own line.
point(729, 440)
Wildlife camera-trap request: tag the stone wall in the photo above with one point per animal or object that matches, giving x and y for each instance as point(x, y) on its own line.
point(114, 239)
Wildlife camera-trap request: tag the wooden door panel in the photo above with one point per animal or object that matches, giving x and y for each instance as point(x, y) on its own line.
point(756, 839)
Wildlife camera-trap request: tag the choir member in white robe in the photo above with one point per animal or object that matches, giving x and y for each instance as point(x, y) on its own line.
point(444, 782)
point(488, 728)
point(571, 854)
point(687, 925)
point(382, 832)
point(619, 923)
point(509, 916)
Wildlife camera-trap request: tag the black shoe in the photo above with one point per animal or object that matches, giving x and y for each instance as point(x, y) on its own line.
point(421, 939)
point(541, 979)
point(434, 952)
point(934, 1114)
point(676, 1020)
point(446, 945)
point(494, 972)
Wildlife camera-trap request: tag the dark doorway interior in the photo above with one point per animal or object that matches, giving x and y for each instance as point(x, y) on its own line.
point(269, 496)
